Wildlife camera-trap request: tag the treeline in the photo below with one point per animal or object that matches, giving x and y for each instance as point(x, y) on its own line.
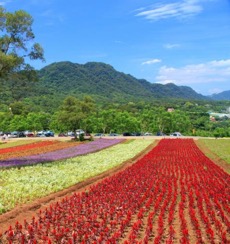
point(189, 118)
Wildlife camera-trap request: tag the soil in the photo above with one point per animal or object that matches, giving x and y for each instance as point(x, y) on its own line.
point(30, 210)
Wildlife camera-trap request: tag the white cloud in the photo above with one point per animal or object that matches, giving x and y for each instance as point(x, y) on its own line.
point(152, 61)
point(181, 9)
point(217, 71)
point(171, 46)
point(220, 63)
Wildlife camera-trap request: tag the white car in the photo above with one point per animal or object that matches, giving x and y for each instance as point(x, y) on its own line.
point(80, 131)
point(148, 134)
point(176, 134)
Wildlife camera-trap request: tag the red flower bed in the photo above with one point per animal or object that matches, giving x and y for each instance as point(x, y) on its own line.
point(26, 146)
point(174, 194)
point(34, 148)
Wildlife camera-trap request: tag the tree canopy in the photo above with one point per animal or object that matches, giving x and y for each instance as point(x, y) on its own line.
point(17, 43)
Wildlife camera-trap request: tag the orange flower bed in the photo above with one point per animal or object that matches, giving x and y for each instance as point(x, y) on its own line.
point(34, 148)
point(26, 147)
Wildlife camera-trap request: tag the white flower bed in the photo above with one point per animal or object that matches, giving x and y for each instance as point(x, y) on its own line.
point(31, 182)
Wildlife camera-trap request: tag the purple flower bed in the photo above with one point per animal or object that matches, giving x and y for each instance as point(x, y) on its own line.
point(82, 149)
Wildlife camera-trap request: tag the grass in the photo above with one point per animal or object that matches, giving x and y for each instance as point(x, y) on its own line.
point(221, 147)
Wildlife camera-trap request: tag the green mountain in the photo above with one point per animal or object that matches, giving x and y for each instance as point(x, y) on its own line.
point(102, 81)
point(225, 95)
point(99, 80)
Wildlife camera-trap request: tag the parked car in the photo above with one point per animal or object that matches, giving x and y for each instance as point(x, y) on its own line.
point(16, 134)
point(136, 134)
point(62, 134)
point(113, 134)
point(80, 132)
point(13, 134)
point(49, 133)
point(159, 133)
point(99, 134)
point(2, 133)
point(131, 134)
point(148, 134)
point(40, 134)
point(176, 134)
point(29, 133)
point(127, 134)
point(70, 133)
point(21, 134)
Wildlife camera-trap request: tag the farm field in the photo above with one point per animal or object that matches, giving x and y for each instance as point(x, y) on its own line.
point(34, 148)
point(172, 194)
point(24, 184)
point(221, 147)
point(70, 150)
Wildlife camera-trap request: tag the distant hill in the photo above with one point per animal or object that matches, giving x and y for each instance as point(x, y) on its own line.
point(99, 80)
point(102, 81)
point(225, 95)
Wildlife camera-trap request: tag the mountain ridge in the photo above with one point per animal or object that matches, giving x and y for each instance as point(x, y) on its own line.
point(102, 79)
point(225, 95)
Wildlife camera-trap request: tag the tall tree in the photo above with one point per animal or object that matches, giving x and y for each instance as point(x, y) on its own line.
point(73, 112)
point(16, 43)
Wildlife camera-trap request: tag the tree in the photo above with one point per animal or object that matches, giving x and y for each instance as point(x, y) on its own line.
point(18, 123)
point(38, 121)
point(16, 36)
point(17, 108)
point(125, 122)
point(73, 112)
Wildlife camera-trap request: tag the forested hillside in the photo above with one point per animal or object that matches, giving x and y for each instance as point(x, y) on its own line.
point(102, 80)
point(99, 80)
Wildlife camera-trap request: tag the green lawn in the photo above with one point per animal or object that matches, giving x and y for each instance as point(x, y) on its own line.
point(220, 147)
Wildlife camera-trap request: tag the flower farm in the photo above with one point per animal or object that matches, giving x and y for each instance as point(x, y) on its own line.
point(172, 194)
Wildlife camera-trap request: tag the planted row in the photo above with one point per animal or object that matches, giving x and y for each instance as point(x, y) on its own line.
point(7, 144)
point(35, 148)
point(69, 152)
point(26, 146)
point(174, 194)
point(28, 183)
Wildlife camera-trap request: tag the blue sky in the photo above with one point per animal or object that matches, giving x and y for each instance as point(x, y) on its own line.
point(186, 42)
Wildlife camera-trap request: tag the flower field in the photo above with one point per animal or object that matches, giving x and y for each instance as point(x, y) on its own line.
point(173, 194)
point(7, 144)
point(45, 155)
point(34, 148)
point(18, 186)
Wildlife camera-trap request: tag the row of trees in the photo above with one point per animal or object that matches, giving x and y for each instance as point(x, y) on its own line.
point(85, 114)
